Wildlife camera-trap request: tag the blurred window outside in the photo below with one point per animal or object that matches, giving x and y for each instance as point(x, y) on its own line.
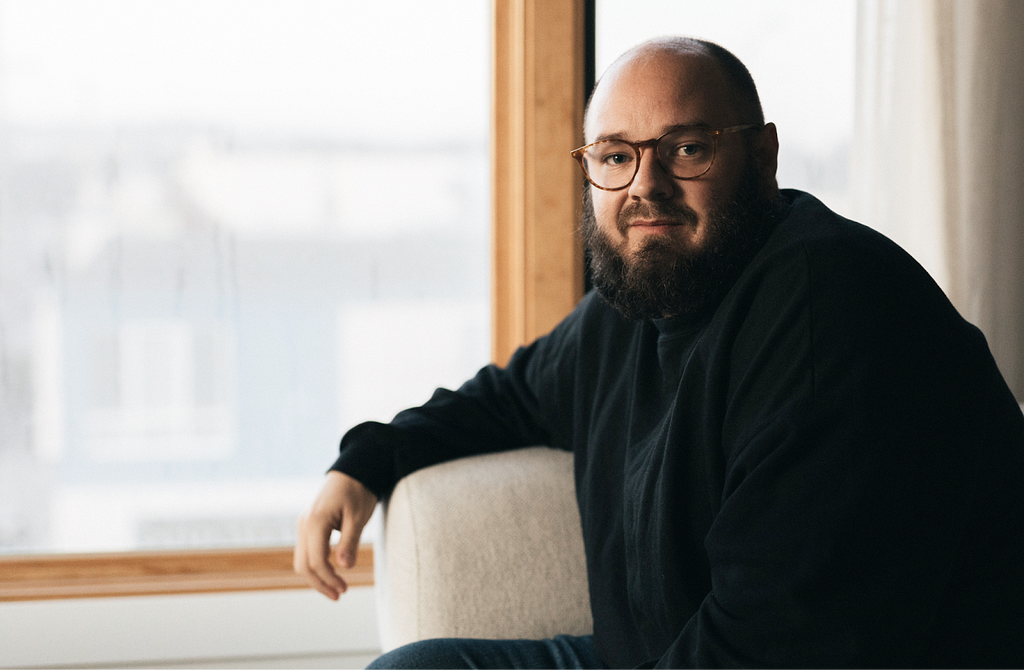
point(228, 232)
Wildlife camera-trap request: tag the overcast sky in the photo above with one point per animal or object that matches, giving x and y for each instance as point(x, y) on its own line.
point(342, 68)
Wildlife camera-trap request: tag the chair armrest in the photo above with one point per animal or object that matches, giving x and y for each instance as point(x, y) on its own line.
point(488, 546)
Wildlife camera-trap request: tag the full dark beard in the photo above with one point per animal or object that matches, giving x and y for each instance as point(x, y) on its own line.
point(664, 278)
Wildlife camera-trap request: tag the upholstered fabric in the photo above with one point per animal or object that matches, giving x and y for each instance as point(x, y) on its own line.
point(487, 546)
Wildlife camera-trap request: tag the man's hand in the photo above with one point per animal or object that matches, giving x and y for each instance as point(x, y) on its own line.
point(343, 504)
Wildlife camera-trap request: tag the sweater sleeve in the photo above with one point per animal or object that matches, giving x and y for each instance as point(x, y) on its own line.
point(870, 453)
point(498, 409)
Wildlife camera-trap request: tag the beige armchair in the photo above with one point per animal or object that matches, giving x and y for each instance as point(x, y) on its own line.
point(487, 546)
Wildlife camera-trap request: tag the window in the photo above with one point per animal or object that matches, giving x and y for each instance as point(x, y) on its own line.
point(227, 229)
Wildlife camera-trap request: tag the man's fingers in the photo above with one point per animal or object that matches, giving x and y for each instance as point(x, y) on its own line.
point(349, 543)
point(352, 524)
point(311, 558)
point(343, 504)
point(331, 592)
point(319, 544)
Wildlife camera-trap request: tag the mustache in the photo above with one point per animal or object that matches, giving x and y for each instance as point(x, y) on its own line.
point(644, 209)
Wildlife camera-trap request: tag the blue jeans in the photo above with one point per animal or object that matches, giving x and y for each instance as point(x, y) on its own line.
point(563, 651)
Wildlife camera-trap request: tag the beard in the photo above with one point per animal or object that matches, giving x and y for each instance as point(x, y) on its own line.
point(665, 277)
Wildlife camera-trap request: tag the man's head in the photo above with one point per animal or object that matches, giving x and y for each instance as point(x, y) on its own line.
point(665, 246)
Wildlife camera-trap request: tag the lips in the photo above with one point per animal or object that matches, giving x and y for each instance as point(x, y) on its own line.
point(653, 224)
point(655, 217)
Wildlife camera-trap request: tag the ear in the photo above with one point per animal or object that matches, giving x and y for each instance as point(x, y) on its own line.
point(766, 154)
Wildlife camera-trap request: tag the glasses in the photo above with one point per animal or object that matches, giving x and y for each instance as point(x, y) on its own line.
point(686, 152)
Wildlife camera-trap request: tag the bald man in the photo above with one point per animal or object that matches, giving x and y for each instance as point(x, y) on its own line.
point(790, 450)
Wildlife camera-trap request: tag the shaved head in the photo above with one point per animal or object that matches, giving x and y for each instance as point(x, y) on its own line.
point(742, 91)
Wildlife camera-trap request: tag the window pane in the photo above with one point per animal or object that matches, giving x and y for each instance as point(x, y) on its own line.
point(229, 230)
point(801, 55)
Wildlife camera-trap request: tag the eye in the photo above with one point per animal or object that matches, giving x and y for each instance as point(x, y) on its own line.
point(686, 146)
point(611, 156)
point(616, 159)
point(687, 150)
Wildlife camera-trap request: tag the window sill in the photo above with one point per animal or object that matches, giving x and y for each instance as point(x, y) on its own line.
point(54, 576)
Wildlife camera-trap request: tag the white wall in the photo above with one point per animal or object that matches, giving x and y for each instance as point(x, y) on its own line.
point(292, 628)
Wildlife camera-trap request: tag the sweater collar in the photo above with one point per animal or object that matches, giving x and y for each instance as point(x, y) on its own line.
point(676, 326)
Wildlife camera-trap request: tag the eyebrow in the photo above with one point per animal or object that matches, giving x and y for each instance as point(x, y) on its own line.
point(677, 126)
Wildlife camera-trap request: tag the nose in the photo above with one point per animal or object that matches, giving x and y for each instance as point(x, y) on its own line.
point(652, 181)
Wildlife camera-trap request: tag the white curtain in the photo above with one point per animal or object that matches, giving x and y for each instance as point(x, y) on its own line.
point(939, 152)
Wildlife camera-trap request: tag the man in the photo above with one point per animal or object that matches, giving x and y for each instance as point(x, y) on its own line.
point(789, 448)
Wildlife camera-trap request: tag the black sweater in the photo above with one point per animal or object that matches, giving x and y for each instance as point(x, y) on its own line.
point(828, 471)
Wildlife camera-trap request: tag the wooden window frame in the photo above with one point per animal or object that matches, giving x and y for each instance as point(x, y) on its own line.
point(537, 111)
point(540, 57)
point(59, 576)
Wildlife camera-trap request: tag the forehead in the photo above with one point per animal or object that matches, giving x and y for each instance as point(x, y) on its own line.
point(645, 94)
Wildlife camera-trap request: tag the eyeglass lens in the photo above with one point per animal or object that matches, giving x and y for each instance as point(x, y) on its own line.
point(685, 153)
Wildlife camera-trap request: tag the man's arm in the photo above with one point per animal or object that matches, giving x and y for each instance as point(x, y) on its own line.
point(499, 409)
point(480, 417)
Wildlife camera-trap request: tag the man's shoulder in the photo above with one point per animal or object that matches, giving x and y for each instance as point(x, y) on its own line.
point(809, 223)
point(848, 281)
point(837, 253)
point(855, 293)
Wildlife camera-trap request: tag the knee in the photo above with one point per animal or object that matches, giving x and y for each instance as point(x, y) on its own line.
point(441, 653)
